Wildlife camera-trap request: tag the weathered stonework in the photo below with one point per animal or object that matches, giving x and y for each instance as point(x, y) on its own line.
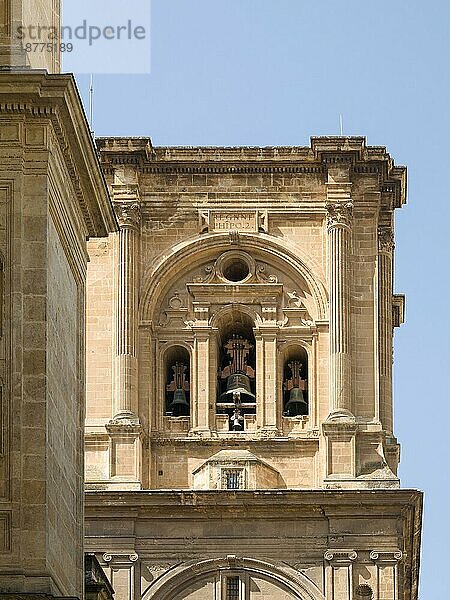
point(52, 197)
point(293, 247)
point(16, 18)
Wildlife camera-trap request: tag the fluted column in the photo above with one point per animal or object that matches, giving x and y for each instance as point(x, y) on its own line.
point(128, 215)
point(385, 256)
point(339, 219)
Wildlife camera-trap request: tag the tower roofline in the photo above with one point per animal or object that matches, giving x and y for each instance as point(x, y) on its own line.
point(322, 153)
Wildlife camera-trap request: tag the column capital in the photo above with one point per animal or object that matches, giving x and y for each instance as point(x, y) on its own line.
point(123, 559)
point(339, 214)
point(392, 557)
point(341, 557)
point(385, 239)
point(128, 213)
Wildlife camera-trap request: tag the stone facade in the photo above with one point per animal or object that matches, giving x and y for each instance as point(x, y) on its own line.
point(52, 197)
point(239, 335)
point(19, 23)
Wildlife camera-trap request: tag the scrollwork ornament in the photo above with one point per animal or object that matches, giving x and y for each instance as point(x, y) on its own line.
point(398, 555)
point(374, 555)
point(107, 557)
point(128, 214)
point(328, 555)
point(353, 555)
point(385, 239)
point(339, 214)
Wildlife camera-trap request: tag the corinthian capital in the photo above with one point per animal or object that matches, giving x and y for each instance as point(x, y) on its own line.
point(385, 239)
point(128, 214)
point(339, 214)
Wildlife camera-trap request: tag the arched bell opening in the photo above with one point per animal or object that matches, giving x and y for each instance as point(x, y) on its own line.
point(295, 382)
point(236, 393)
point(177, 377)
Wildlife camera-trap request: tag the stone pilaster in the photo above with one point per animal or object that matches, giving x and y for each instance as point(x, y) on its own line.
point(385, 325)
point(387, 565)
point(127, 208)
point(339, 573)
point(339, 429)
point(201, 380)
point(125, 431)
point(121, 570)
point(266, 379)
point(339, 219)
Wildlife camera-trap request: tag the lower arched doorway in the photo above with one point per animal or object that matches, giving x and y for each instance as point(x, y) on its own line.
point(232, 578)
point(235, 585)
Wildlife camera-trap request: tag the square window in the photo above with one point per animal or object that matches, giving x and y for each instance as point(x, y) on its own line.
point(232, 479)
point(233, 588)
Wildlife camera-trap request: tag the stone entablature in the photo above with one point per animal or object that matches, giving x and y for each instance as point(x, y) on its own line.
point(310, 544)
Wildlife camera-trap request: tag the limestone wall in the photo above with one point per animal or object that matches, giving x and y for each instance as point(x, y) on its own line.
point(312, 221)
point(65, 369)
point(50, 202)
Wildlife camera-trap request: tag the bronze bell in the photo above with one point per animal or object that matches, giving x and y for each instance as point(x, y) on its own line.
point(296, 405)
point(179, 406)
point(238, 385)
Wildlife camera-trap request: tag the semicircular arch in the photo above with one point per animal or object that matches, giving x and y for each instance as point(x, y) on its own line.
point(179, 577)
point(181, 257)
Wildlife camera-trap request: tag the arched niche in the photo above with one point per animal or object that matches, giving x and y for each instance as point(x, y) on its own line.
point(176, 366)
point(236, 359)
point(296, 397)
point(290, 261)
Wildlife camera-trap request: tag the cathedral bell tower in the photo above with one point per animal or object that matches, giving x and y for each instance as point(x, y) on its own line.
point(240, 331)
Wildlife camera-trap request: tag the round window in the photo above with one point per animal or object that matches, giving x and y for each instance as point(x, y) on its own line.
point(235, 267)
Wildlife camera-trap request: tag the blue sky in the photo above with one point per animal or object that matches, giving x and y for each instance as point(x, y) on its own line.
point(275, 72)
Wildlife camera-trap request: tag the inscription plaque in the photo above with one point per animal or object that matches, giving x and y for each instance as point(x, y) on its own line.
point(218, 221)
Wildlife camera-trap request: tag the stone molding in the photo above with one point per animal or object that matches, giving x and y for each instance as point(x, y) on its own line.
point(115, 559)
point(125, 425)
point(172, 582)
point(39, 96)
point(341, 557)
point(385, 239)
point(339, 214)
point(314, 159)
point(128, 214)
point(381, 556)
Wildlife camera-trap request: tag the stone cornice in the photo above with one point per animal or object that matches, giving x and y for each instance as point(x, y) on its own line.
point(55, 97)
point(323, 502)
point(313, 160)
